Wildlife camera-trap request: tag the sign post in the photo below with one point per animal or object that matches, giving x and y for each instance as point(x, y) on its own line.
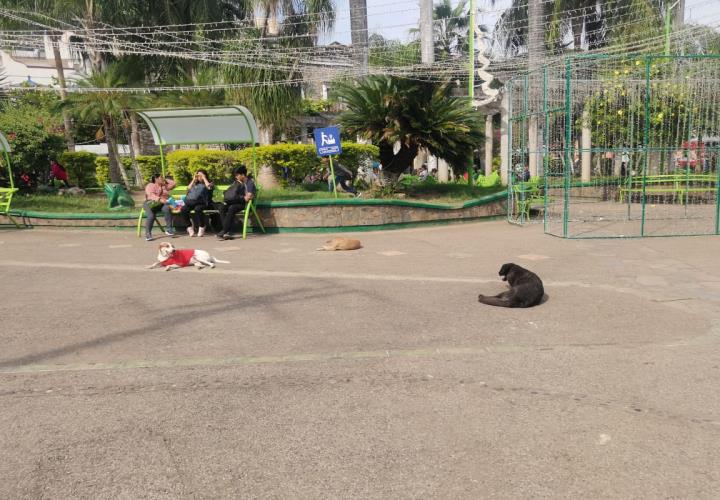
point(327, 143)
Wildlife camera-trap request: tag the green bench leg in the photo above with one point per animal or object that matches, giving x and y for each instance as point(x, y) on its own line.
point(251, 208)
point(12, 219)
point(139, 222)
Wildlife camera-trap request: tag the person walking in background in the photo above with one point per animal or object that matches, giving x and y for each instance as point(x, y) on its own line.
point(58, 172)
point(157, 193)
point(198, 199)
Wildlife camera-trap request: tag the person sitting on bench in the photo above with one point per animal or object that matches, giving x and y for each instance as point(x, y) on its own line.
point(198, 199)
point(157, 193)
point(235, 198)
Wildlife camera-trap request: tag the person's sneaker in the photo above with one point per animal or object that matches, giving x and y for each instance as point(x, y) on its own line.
point(358, 195)
point(170, 232)
point(227, 237)
point(148, 237)
point(201, 232)
point(191, 231)
point(220, 236)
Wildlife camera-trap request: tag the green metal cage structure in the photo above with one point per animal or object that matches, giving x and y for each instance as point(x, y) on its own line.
point(616, 146)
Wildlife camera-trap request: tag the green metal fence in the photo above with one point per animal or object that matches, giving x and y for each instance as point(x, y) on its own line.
point(617, 146)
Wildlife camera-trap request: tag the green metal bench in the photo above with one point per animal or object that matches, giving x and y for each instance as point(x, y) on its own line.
point(528, 196)
point(181, 191)
point(6, 195)
point(680, 185)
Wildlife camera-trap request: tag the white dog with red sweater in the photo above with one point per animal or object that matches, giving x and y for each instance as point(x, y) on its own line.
point(175, 258)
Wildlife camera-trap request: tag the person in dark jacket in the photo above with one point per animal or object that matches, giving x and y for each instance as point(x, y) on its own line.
point(235, 199)
point(198, 199)
point(343, 176)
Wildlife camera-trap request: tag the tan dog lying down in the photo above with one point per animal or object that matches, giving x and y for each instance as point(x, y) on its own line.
point(341, 244)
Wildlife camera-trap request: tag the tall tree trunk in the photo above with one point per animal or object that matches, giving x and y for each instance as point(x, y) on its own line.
point(359, 32)
point(88, 23)
point(128, 132)
point(117, 172)
point(135, 135)
point(266, 135)
point(67, 124)
point(536, 38)
point(577, 26)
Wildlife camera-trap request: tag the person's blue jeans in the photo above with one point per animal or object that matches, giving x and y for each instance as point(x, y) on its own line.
point(167, 214)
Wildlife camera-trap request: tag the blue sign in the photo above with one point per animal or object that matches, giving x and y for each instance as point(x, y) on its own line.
point(327, 141)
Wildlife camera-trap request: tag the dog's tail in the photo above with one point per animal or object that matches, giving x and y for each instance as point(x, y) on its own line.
point(494, 301)
point(221, 261)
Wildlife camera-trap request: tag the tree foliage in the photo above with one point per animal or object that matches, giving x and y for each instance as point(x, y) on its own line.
point(389, 111)
point(34, 130)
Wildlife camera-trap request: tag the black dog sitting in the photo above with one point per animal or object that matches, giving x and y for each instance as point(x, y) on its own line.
point(526, 288)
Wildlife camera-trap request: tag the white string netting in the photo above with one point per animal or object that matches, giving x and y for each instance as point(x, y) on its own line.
point(234, 44)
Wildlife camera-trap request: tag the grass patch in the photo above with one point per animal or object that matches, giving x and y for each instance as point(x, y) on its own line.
point(62, 204)
point(449, 194)
point(286, 194)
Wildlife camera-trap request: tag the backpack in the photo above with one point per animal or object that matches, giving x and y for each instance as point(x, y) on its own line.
point(235, 193)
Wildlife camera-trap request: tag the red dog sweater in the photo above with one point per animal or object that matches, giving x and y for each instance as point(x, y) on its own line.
point(179, 257)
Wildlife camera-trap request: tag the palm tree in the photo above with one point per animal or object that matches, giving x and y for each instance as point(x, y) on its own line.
point(601, 21)
point(450, 29)
point(273, 103)
point(390, 110)
point(102, 101)
point(319, 15)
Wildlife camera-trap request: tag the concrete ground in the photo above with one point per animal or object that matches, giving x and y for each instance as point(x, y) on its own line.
point(292, 373)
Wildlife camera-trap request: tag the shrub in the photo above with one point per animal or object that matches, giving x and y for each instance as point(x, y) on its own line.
point(80, 166)
point(183, 164)
point(355, 155)
point(102, 169)
point(33, 129)
point(300, 159)
point(149, 165)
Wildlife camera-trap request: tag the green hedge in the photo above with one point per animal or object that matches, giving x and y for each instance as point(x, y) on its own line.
point(148, 165)
point(182, 164)
point(300, 159)
point(80, 166)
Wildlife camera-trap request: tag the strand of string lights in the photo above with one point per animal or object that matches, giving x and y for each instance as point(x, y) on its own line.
point(264, 58)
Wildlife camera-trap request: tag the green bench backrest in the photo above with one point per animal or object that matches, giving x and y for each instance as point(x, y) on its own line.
point(6, 195)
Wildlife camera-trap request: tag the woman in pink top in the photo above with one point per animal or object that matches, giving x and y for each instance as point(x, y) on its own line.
point(157, 193)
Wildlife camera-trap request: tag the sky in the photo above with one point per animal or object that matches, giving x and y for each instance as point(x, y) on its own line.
point(393, 19)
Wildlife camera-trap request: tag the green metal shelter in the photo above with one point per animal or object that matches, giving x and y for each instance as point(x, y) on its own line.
point(5, 148)
point(210, 125)
point(6, 193)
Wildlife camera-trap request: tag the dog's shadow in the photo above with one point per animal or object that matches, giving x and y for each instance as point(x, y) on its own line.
point(544, 299)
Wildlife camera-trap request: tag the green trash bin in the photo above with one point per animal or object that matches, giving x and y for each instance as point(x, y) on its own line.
point(118, 198)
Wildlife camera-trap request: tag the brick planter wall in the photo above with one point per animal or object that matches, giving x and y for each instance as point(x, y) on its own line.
point(345, 213)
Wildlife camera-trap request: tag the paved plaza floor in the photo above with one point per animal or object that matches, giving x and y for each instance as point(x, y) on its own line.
point(291, 373)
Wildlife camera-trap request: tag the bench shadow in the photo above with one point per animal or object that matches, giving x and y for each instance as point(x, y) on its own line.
point(188, 313)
